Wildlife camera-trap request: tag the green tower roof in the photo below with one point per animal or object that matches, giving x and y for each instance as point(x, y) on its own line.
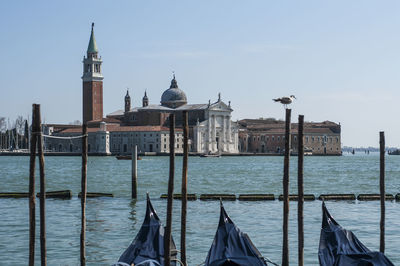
point(92, 47)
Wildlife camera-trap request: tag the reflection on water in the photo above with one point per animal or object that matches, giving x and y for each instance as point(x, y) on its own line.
point(132, 216)
point(112, 223)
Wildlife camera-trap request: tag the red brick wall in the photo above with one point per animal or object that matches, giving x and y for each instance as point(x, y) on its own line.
point(92, 100)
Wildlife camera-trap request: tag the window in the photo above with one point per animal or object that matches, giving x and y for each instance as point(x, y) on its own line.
point(279, 138)
point(306, 139)
point(165, 146)
point(312, 139)
point(273, 138)
point(295, 138)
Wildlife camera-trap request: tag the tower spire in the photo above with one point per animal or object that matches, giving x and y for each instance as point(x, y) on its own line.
point(92, 47)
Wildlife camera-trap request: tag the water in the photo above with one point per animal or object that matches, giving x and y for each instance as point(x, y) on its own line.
point(112, 223)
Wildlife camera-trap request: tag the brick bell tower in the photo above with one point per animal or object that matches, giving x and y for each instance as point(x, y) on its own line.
point(92, 83)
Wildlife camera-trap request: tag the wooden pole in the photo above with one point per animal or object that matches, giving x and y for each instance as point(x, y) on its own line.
point(168, 228)
point(32, 197)
point(285, 246)
point(134, 172)
point(43, 258)
point(382, 190)
point(84, 192)
point(300, 187)
point(184, 186)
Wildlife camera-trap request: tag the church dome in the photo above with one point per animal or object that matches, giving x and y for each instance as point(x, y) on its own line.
point(173, 97)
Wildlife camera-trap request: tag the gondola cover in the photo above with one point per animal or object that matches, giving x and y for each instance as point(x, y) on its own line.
point(231, 246)
point(338, 246)
point(147, 249)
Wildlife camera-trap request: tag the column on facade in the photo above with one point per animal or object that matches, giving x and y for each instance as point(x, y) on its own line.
point(229, 129)
point(224, 145)
point(208, 142)
point(214, 133)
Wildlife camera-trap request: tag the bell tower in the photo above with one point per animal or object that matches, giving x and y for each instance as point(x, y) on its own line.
point(127, 101)
point(145, 100)
point(92, 83)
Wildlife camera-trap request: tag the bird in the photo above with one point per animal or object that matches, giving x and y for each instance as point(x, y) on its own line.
point(285, 100)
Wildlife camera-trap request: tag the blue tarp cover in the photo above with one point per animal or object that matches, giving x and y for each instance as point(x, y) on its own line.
point(340, 247)
point(148, 246)
point(231, 246)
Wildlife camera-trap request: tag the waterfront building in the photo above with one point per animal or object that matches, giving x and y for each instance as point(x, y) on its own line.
point(210, 127)
point(268, 136)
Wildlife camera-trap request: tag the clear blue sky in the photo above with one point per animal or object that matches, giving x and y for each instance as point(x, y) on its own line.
point(340, 58)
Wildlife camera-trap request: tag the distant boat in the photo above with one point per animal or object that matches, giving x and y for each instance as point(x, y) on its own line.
point(338, 246)
point(394, 152)
point(126, 157)
point(210, 155)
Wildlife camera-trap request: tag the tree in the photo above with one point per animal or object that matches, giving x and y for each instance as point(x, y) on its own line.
point(26, 135)
point(3, 124)
point(19, 124)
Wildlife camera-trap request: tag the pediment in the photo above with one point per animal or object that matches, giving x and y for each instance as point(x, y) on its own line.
point(220, 106)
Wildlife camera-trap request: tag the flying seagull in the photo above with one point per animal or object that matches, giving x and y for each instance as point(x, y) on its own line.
point(285, 100)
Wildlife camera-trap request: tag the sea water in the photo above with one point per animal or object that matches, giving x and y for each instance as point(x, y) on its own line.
point(112, 223)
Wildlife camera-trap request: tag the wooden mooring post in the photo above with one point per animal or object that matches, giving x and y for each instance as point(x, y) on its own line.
point(184, 186)
point(43, 258)
point(285, 229)
point(168, 228)
point(300, 190)
point(32, 196)
point(134, 172)
point(382, 190)
point(83, 195)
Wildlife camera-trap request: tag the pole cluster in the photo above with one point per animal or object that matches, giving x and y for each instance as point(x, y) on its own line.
point(37, 144)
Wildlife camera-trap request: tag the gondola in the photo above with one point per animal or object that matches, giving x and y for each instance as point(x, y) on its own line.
point(147, 249)
point(231, 246)
point(340, 247)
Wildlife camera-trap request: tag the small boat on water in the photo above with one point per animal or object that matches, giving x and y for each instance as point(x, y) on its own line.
point(126, 157)
point(340, 247)
point(210, 155)
point(147, 249)
point(394, 152)
point(232, 247)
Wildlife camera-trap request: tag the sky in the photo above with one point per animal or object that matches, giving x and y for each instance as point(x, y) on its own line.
point(341, 59)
